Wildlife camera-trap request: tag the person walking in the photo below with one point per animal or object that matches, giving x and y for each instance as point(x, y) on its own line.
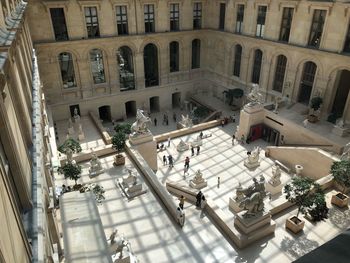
point(155, 121)
point(187, 162)
point(170, 160)
point(182, 202)
point(198, 149)
point(198, 199)
point(164, 160)
point(233, 139)
point(192, 150)
point(201, 135)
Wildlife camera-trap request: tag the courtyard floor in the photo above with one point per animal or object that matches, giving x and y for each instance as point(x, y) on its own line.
point(155, 237)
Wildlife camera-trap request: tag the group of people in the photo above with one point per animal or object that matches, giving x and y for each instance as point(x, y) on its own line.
point(200, 203)
point(168, 160)
point(165, 119)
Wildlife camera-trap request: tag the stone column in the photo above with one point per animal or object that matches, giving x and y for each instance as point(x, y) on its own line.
point(139, 71)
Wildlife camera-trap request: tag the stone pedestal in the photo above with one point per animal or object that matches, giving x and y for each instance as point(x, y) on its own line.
point(147, 147)
point(93, 172)
point(251, 165)
point(234, 206)
point(273, 189)
point(182, 146)
point(81, 136)
point(249, 116)
point(254, 228)
point(342, 132)
point(71, 131)
point(131, 190)
point(198, 184)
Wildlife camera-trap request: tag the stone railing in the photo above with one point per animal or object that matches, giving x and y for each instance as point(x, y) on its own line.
point(102, 130)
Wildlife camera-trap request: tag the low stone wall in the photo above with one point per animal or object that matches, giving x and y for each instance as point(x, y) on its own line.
point(316, 162)
point(104, 134)
point(151, 177)
point(185, 131)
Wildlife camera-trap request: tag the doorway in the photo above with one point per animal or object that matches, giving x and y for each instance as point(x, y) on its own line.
point(270, 135)
point(130, 108)
point(154, 104)
point(176, 100)
point(72, 108)
point(255, 132)
point(105, 113)
point(342, 92)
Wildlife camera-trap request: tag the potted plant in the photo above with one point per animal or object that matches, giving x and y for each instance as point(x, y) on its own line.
point(299, 192)
point(118, 141)
point(341, 174)
point(69, 147)
point(319, 210)
point(72, 171)
point(315, 105)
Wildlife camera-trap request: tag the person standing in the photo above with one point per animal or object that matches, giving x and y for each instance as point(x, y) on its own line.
point(180, 216)
point(182, 202)
point(168, 141)
point(203, 201)
point(187, 162)
point(201, 135)
point(233, 139)
point(171, 161)
point(198, 199)
point(155, 121)
point(174, 117)
point(164, 160)
point(192, 150)
point(198, 149)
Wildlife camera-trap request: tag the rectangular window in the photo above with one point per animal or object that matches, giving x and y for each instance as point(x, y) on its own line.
point(59, 24)
point(347, 41)
point(122, 20)
point(197, 15)
point(174, 17)
point(149, 18)
point(317, 28)
point(92, 22)
point(222, 16)
point(286, 24)
point(239, 19)
point(260, 23)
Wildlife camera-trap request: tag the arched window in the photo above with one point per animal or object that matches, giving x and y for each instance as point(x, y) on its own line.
point(279, 73)
point(307, 82)
point(257, 66)
point(67, 70)
point(174, 56)
point(97, 67)
point(150, 62)
point(196, 53)
point(237, 62)
point(126, 68)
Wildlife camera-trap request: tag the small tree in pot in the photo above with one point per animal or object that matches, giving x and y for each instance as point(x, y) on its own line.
point(299, 193)
point(319, 210)
point(341, 174)
point(72, 171)
point(315, 104)
point(69, 147)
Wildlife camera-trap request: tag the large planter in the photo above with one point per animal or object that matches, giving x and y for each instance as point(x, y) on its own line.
point(119, 159)
point(312, 118)
point(340, 200)
point(294, 224)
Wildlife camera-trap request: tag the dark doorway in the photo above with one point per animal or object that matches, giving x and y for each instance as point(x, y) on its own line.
point(130, 109)
point(72, 107)
point(105, 113)
point(154, 104)
point(341, 95)
point(176, 100)
point(307, 82)
point(270, 135)
point(255, 132)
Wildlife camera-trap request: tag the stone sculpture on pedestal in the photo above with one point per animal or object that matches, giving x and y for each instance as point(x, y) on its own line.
point(130, 185)
point(198, 182)
point(253, 158)
point(81, 135)
point(255, 97)
point(197, 142)
point(95, 166)
point(139, 127)
point(182, 146)
point(186, 121)
point(274, 185)
point(76, 116)
point(234, 202)
point(70, 127)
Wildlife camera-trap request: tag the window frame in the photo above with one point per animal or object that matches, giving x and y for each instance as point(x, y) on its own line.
point(260, 27)
point(197, 14)
point(174, 16)
point(280, 73)
point(311, 31)
point(289, 20)
point(65, 23)
point(121, 23)
point(239, 23)
point(152, 21)
point(255, 78)
point(98, 32)
point(237, 61)
point(222, 16)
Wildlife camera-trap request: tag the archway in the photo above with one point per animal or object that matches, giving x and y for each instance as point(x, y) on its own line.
point(176, 100)
point(72, 109)
point(105, 113)
point(150, 62)
point(307, 82)
point(341, 95)
point(154, 104)
point(130, 108)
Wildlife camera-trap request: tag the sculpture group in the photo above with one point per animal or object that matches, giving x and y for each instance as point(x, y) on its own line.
point(140, 125)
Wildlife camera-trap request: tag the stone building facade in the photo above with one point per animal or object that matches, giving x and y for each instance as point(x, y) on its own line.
point(28, 225)
point(292, 49)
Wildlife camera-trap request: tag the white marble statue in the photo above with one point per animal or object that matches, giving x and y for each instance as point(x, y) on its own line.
point(197, 142)
point(239, 193)
point(277, 101)
point(253, 158)
point(76, 116)
point(346, 153)
point(255, 97)
point(182, 146)
point(140, 125)
point(198, 182)
point(69, 154)
point(198, 178)
point(253, 201)
point(276, 175)
point(95, 165)
point(340, 123)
